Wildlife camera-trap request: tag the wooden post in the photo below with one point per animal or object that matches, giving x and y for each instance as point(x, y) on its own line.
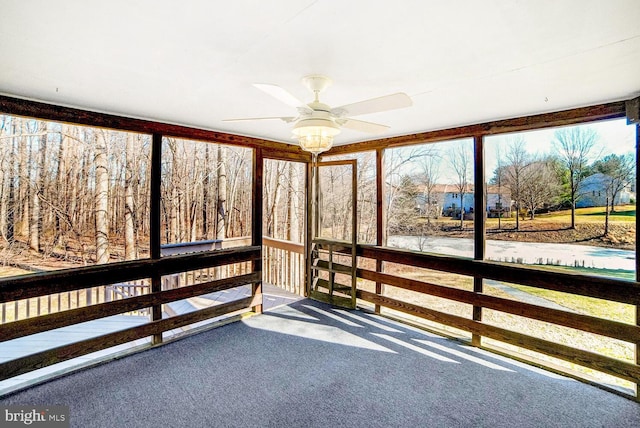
point(381, 224)
point(154, 224)
point(478, 224)
point(256, 220)
point(637, 347)
point(354, 232)
point(308, 234)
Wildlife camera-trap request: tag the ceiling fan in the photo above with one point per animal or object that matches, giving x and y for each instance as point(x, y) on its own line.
point(317, 123)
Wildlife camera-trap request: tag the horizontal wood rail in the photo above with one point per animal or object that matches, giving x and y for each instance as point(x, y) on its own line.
point(43, 283)
point(591, 286)
point(624, 370)
point(62, 353)
point(281, 244)
point(621, 291)
point(613, 329)
point(42, 323)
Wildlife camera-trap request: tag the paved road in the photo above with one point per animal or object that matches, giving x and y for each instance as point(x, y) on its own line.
point(524, 252)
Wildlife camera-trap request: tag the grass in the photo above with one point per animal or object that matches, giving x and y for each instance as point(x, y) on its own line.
point(622, 213)
point(607, 273)
point(585, 305)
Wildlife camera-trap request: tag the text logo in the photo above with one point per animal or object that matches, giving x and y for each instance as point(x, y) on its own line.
point(34, 416)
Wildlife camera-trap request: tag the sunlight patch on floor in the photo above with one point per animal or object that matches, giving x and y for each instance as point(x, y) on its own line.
point(333, 316)
point(367, 321)
point(463, 355)
point(313, 331)
point(415, 348)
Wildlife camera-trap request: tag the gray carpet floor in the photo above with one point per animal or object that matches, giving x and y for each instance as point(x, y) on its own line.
point(308, 365)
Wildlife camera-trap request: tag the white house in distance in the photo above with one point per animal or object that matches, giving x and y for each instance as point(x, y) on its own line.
point(445, 200)
point(593, 192)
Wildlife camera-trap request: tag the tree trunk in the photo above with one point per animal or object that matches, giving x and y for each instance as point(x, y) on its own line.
point(130, 249)
point(101, 198)
point(23, 189)
point(606, 218)
point(61, 189)
point(35, 225)
point(461, 210)
point(11, 191)
point(573, 200)
point(206, 192)
point(221, 223)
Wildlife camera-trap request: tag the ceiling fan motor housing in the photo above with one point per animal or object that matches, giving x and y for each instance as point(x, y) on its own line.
point(316, 82)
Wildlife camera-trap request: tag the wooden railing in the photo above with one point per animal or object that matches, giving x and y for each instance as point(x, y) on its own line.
point(58, 302)
point(42, 284)
point(284, 264)
point(621, 291)
point(283, 267)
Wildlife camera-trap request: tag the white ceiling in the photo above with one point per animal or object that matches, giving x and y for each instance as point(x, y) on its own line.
point(193, 62)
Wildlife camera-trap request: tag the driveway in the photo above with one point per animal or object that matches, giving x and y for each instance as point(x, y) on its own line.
point(523, 252)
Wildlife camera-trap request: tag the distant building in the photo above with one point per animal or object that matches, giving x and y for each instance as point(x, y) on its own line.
point(498, 201)
point(593, 192)
point(444, 199)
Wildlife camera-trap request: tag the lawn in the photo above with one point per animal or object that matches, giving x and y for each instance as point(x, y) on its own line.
point(592, 214)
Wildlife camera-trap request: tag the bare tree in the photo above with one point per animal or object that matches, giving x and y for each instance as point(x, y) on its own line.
point(621, 172)
point(460, 157)
point(35, 222)
point(274, 182)
point(618, 173)
point(430, 175)
point(573, 147)
point(101, 198)
point(221, 224)
point(515, 172)
point(130, 249)
point(398, 164)
point(499, 180)
point(540, 187)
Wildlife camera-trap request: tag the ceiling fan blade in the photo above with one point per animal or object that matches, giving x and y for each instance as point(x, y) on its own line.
point(361, 125)
point(247, 119)
point(280, 94)
point(374, 105)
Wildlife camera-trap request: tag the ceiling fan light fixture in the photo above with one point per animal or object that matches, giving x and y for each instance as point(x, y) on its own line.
point(315, 135)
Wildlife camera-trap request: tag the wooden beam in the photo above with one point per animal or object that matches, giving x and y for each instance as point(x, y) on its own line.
point(40, 110)
point(257, 197)
point(637, 347)
point(155, 196)
point(381, 224)
point(308, 227)
point(155, 225)
point(479, 241)
point(615, 110)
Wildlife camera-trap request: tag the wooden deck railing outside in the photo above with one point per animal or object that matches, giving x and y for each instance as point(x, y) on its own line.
point(283, 264)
